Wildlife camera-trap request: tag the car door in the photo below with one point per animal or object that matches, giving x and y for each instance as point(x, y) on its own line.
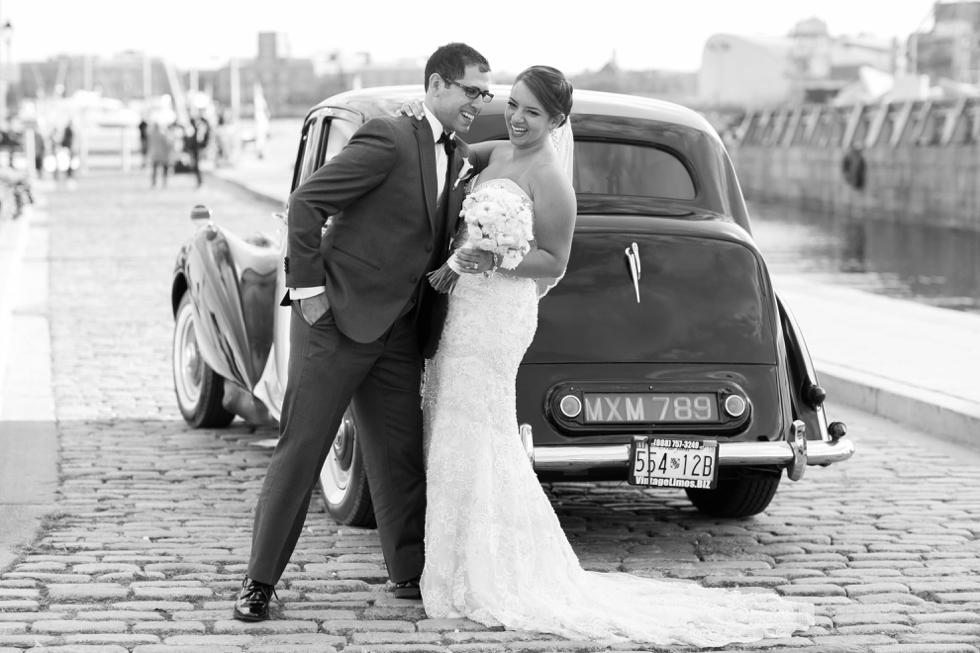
point(325, 133)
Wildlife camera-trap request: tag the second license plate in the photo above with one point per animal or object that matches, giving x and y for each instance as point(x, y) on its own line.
point(671, 462)
point(649, 407)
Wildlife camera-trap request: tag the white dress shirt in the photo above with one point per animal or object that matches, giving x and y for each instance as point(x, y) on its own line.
point(442, 162)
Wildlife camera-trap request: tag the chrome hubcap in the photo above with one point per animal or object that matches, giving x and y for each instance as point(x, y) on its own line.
point(337, 469)
point(188, 363)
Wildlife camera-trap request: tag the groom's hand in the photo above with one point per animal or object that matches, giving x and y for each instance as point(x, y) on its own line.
point(314, 307)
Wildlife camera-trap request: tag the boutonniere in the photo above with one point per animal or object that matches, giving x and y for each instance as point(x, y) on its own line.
point(463, 172)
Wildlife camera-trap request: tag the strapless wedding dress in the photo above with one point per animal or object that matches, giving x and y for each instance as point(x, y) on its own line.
point(494, 550)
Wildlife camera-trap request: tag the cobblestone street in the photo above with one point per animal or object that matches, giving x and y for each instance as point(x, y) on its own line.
point(149, 541)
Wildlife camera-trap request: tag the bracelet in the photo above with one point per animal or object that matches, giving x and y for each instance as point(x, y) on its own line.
point(496, 264)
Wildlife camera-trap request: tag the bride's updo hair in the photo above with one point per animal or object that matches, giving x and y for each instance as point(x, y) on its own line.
point(551, 89)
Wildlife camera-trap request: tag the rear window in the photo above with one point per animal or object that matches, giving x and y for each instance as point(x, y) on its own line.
point(607, 168)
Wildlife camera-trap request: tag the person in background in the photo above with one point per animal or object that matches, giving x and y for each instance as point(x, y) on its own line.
point(192, 145)
point(220, 152)
point(68, 145)
point(854, 166)
point(55, 150)
point(38, 153)
point(204, 133)
point(144, 140)
point(262, 117)
point(160, 149)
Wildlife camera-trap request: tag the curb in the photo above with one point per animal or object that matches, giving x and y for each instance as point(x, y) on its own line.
point(948, 418)
point(259, 195)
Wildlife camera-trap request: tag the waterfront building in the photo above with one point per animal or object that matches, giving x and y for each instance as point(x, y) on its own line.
point(289, 84)
point(670, 85)
point(808, 64)
point(126, 76)
point(950, 50)
point(361, 70)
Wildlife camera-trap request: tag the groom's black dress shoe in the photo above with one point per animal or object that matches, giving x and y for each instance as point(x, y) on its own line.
point(253, 601)
point(408, 590)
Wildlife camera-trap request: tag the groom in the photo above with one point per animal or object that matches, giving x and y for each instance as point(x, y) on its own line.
point(361, 311)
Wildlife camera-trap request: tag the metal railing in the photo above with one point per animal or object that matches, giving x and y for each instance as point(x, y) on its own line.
point(914, 123)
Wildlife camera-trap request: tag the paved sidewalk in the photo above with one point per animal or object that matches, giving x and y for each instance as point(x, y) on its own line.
point(902, 360)
point(28, 434)
point(912, 363)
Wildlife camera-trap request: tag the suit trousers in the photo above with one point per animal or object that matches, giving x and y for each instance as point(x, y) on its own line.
point(327, 372)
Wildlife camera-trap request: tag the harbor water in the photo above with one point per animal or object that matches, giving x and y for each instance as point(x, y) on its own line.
point(938, 266)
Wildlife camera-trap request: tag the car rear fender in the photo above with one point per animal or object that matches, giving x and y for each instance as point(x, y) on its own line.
point(804, 386)
point(232, 287)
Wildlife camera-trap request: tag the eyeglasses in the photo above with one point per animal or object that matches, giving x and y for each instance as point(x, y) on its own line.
point(471, 91)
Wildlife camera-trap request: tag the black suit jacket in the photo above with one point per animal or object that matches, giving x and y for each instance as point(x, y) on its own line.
point(386, 233)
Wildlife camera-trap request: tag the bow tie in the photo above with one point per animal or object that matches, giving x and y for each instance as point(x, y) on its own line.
point(448, 143)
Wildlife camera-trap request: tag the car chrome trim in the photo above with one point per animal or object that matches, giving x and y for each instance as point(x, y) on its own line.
point(188, 362)
point(201, 213)
point(336, 472)
point(633, 254)
point(798, 445)
point(809, 370)
point(732, 454)
point(527, 440)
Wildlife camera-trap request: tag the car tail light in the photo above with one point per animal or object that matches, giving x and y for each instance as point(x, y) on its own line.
point(837, 430)
point(734, 406)
point(815, 396)
point(570, 406)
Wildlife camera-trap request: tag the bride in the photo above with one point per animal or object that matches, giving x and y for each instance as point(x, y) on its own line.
point(494, 550)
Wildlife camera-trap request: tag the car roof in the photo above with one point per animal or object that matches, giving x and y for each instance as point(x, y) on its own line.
point(592, 102)
point(605, 116)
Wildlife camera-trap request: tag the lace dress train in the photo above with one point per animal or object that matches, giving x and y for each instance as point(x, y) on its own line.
point(495, 551)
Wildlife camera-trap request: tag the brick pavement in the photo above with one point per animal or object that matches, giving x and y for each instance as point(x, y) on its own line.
point(151, 534)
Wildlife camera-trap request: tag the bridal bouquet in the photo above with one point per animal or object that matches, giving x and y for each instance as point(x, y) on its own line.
point(498, 221)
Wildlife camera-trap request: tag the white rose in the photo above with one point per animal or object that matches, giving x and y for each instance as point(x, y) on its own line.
point(489, 218)
point(511, 260)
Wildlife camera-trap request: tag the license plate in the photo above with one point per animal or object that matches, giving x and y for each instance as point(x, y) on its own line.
point(649, 407)
point(671, 462)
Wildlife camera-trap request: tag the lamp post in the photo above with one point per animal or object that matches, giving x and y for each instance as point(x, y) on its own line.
point(7, 30)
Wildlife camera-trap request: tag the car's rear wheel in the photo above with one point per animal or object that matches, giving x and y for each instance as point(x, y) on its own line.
point(740, 494)
point(344, 482)
point(199, 389)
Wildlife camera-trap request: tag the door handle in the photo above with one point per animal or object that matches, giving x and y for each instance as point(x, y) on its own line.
point(633, 256)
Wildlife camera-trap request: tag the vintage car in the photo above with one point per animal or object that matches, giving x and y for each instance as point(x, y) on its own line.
point(664, 357)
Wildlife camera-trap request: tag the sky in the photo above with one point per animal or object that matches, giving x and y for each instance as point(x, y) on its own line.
point(575, 35)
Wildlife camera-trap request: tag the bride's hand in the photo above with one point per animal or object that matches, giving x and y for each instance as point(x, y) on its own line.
point(412, 108)
point(473, 260)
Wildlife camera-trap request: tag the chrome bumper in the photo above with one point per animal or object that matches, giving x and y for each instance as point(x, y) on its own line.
point(572, 458)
